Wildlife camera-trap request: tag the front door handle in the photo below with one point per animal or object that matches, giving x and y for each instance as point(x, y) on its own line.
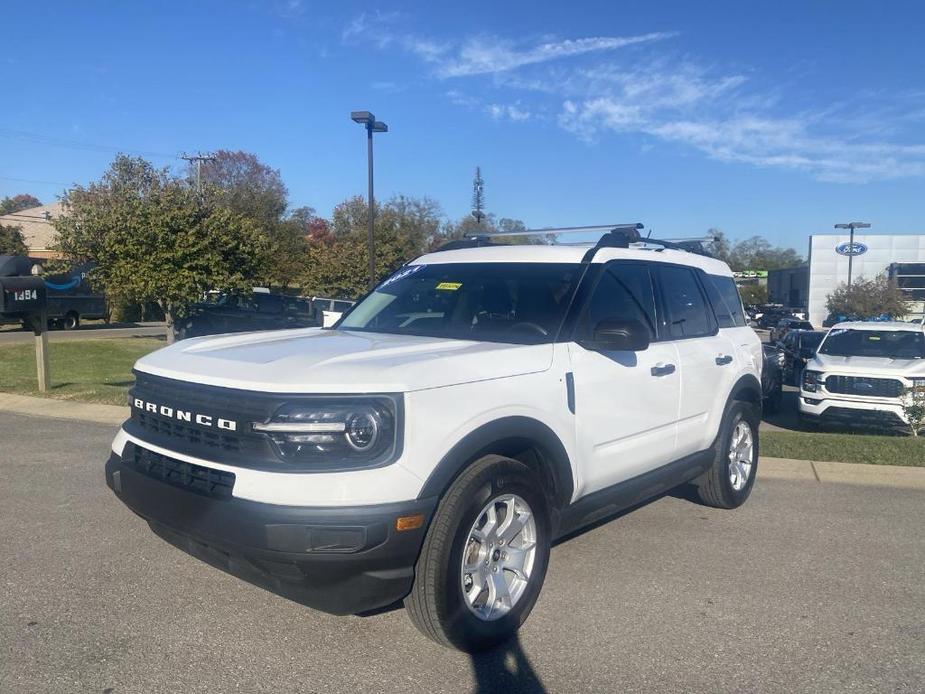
point(723, 360)
point(662, 369)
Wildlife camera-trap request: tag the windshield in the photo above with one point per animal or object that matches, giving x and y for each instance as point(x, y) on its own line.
point(890, 344)
point(496, 302)
point(810, 341)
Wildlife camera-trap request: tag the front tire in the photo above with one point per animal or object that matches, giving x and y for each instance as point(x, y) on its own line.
point(71, 321)
point(484, 557)
point(729, 481)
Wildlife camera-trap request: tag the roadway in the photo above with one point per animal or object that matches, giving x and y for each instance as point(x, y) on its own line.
point(13, 334)
point(810, 587)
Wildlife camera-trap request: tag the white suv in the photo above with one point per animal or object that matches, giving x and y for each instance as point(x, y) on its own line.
point(862, 372)
point(478, 404)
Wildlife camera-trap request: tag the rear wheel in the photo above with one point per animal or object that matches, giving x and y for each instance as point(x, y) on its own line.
point(729, 481)
point(484, 558)
point(71, 321)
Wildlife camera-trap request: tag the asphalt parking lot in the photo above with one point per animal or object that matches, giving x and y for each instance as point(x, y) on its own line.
point(810, 587)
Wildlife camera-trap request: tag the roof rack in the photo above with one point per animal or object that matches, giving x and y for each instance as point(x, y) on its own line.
point(614, 236)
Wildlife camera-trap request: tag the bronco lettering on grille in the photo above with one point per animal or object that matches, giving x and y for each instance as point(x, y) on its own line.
point(203, 420)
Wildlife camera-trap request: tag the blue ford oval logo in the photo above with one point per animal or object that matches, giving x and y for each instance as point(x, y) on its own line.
point(848, 248)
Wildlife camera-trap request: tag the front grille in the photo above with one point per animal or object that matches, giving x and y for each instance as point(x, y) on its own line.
point(865, 387)
point(194, 478)
point(197, 436)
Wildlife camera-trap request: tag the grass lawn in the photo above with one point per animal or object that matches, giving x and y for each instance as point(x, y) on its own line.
point(844, 448)
point(87, 370)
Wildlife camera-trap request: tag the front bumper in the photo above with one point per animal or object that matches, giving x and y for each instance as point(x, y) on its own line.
point(340, 560)
point(824, 407)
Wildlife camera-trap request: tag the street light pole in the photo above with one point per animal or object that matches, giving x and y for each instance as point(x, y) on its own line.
point(851, 226)
point(372, 126)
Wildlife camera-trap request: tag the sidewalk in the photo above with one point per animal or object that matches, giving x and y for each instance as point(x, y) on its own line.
point(770, 468)
point(62, 409)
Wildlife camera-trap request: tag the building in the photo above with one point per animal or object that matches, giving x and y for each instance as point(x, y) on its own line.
point(900, 256)
point(789, 286)
point(37, 230)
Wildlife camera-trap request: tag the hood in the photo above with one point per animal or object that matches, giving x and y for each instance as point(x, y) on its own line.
point(313, 360)
point(868, 366)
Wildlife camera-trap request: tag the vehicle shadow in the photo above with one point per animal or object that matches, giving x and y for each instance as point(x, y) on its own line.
point(505, 668)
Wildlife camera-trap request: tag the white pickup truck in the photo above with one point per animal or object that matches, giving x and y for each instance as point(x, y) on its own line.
point(861, 372)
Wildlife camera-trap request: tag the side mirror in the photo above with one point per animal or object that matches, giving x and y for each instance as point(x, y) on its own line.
point(618, 336)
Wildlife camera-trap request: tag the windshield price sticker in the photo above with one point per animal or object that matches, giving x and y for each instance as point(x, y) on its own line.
point(449, 286)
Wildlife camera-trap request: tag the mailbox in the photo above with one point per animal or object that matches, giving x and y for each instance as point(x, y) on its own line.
point(22, 295)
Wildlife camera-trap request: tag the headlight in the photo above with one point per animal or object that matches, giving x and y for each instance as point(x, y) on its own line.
point(918, 385)
point(337, 431)
point(812, 380)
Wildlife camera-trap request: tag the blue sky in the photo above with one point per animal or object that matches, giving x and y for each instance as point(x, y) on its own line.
point(765, 118)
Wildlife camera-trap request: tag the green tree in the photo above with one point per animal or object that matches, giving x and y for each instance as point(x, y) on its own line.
point(753, 293)
point(757, 253)
point(23, 201)
point(11, 241)
point(153, 238)
point(244, 184)
point(868, 298)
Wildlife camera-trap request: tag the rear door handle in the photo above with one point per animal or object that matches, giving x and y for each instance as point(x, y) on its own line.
point(662, 369)
point(723, 360)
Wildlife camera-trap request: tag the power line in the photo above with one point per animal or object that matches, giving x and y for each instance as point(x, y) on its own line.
point(52, 141)
point(32, 180)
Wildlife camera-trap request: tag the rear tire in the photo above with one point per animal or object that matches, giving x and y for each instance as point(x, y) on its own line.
point(454, 562)
point(729, 481)
point(71, 321)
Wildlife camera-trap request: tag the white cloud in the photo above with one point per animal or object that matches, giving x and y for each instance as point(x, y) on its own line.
point(488, 54)
point(507, 112)
point(659, 98)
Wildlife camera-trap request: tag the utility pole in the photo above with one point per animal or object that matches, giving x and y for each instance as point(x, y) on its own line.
point(198, 158)
point(478, 197)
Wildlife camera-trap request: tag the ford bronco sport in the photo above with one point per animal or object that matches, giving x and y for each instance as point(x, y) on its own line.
point(481, 402)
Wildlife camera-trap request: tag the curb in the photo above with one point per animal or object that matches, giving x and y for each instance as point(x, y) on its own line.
point(63, 409)
point(841, 473)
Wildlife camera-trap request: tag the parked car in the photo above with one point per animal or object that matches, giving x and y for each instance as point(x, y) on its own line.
point(477, 405)
point(785, 325)
point(798, 347)
point(771, 315)
point(222, 312)
point(772, 377)
point(861, 372)
point(331, 309)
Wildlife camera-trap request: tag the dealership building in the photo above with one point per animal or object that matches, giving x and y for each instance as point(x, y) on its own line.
point(899, 256)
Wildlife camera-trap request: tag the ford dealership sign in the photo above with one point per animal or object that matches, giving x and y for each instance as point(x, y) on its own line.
point(851, 248)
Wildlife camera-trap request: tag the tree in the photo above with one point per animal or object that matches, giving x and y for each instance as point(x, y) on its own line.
point(23, 201)
point(245, 185)
point(339, 269)
point(756, 253)
point(718, 246)
point(753, 294)
point(405, 227)
point(868, 298)
point(154, 239)
point(11, 241)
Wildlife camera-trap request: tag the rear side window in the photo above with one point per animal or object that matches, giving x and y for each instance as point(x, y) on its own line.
point(624, 292)
point(727, 305)
point(687, 312)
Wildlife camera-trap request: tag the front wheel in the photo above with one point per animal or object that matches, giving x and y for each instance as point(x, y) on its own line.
point(729, 481)
point(484, 558)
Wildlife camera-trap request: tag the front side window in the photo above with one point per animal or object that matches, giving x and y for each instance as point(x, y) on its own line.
point(521, 303)
point(686, 307)
point(624, 292)
point(889, 344)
